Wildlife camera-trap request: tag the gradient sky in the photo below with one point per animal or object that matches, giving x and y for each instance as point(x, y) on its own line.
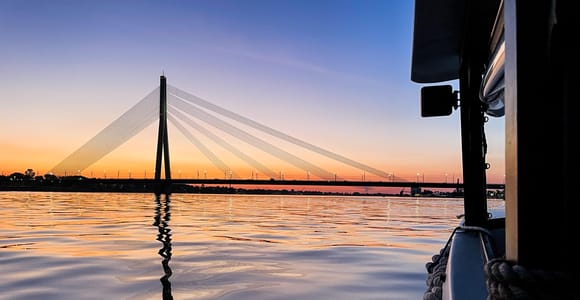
point(333, 73)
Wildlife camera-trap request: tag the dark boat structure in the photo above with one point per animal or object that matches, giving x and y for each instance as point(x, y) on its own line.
point(517, 60)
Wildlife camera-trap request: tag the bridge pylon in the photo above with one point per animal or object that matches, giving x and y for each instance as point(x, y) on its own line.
point(162, 186)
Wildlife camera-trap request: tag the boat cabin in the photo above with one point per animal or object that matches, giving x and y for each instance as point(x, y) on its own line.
point(516, 60)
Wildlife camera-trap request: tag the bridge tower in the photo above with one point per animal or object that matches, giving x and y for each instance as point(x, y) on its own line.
point(162, 142)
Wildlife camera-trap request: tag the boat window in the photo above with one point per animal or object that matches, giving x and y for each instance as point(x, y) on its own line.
point(492, 87)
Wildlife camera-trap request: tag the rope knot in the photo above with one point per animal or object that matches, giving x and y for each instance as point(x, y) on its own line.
point(506, 280)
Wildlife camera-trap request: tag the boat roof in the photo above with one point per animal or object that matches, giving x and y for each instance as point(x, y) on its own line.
point(438, 33)
point(436, 40)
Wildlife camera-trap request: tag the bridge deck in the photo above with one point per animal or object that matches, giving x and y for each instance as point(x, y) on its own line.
point(294, 182)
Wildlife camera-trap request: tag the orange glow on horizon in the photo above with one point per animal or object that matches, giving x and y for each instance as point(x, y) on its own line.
point(136, 159)
point(123, 166)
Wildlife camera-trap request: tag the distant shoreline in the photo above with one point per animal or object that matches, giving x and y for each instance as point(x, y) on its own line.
point(81, 184)
point(187, 189)
point(184, 189)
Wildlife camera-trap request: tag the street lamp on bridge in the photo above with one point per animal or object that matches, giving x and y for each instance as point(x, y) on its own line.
point(423, 176)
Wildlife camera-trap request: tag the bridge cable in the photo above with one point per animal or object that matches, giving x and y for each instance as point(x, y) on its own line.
point(133, 121)
point(221, 165)
point(254, 163)
point(248, 138)
point(232, 115)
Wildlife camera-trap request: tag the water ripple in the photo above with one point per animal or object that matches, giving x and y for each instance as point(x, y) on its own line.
point(138, 246)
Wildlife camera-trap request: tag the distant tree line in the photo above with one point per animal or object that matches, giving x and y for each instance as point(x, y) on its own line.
point(30, 177)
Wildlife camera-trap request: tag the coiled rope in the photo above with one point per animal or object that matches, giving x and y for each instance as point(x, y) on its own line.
point(436, 272)
point(505, 280)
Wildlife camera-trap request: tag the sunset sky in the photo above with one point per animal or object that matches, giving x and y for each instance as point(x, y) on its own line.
point(333, 73)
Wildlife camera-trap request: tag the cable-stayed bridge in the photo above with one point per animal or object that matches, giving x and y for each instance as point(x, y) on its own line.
point(195, 117)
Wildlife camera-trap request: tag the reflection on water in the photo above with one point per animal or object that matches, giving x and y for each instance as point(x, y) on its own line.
point(104, 246)
point(162, 217)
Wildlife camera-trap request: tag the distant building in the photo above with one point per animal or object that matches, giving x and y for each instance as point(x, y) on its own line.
point(415, 190)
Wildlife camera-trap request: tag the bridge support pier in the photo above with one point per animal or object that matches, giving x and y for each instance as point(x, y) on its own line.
point(162, 186)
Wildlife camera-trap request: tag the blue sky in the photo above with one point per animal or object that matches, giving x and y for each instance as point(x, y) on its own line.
point(334, 73)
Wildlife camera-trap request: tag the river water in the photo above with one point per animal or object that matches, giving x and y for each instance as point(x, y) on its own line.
point(193, 246)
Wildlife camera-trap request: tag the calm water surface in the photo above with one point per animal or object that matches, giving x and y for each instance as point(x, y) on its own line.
point(137, 246)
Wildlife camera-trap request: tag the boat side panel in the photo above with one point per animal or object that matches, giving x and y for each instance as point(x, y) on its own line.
point(465, 268)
